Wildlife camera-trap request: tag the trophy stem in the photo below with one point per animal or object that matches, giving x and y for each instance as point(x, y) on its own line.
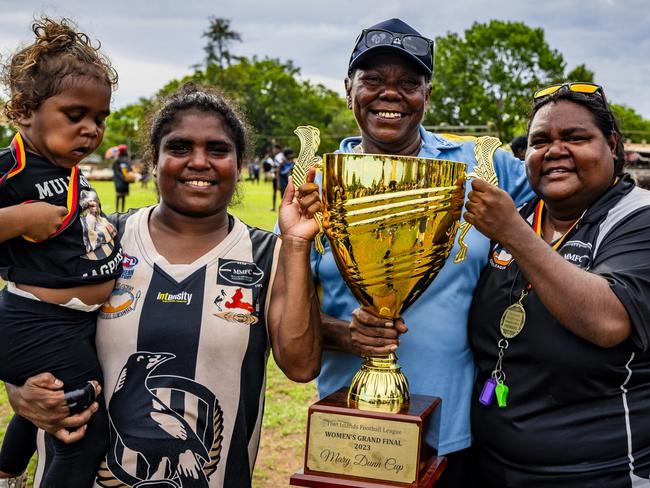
point(379, 385)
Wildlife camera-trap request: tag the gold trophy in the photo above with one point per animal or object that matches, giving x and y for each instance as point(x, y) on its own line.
point(391, 222)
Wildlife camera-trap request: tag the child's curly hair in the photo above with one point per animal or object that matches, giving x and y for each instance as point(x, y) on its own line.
point(38, 71)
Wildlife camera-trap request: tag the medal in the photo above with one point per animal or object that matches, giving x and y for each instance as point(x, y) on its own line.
point(513, 319)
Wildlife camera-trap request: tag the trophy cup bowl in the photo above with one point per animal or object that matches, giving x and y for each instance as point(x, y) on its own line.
point(391, 223)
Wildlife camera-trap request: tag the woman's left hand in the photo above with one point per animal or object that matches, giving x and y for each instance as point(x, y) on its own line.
point(492, 212)
point(41, 400)
point(295, 220)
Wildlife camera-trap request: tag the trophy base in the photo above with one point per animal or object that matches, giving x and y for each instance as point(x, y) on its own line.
point(357, 448)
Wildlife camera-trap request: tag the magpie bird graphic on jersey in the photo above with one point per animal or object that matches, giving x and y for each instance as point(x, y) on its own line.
point(171, 450)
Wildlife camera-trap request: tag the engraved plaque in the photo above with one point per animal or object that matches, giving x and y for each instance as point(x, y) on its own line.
point(362, 446)
point(347, 446)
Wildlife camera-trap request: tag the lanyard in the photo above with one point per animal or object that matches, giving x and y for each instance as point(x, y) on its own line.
point(514, 317)
point(538, 218)
point(512, 323)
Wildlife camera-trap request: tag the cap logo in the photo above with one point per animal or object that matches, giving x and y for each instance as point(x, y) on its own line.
point(397, 41)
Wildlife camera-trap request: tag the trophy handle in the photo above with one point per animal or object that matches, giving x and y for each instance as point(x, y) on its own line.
point(484, 170)
point(309, 141)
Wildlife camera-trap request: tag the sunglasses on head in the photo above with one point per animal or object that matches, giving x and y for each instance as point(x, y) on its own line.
point(413, 43)
point(578, 87)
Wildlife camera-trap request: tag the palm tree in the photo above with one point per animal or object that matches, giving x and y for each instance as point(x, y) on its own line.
point(219, 36)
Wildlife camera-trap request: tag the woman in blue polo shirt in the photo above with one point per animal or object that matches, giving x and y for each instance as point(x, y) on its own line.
point(388, 87)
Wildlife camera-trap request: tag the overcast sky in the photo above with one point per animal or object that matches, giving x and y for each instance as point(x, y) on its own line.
point(151, 42)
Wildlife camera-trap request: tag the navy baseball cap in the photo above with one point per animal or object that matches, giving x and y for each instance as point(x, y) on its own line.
point(394, 36)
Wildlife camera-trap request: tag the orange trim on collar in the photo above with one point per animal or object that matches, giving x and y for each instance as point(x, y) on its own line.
point(71, 204)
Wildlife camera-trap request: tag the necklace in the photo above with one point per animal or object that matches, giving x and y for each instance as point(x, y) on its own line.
point(513, 321)
point(514, 317)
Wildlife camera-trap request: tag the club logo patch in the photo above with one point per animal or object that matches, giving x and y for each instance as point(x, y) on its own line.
point(123, 300)
point(500, 257)
point(238, 318)
point(239, 273)
point(237, 302)
point(578, 253)
point(237, 307)
point(128, 266)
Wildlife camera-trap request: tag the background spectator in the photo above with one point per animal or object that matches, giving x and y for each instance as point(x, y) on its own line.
point(254, 170)
point(278, 159)
point(285, 169)
point(519, 145)
point(123, 175)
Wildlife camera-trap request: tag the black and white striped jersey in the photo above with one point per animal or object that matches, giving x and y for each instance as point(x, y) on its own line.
point(183, 349)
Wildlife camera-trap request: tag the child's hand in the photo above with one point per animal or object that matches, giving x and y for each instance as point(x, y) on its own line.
point(42, 219)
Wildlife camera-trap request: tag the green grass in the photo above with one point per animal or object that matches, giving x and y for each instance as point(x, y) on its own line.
point(138, 197)
point(283, 429)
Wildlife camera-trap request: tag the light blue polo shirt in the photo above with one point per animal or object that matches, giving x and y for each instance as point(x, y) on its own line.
point(434, 354)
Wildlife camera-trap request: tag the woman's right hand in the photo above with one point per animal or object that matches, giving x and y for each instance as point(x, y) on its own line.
point(41, 401)
point(41, 219)
point(492, 211)
point(308, 195)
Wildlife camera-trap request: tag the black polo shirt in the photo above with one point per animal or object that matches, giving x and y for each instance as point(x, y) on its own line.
point(577, 414)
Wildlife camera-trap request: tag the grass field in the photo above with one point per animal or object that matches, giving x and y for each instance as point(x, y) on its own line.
point(283, 430)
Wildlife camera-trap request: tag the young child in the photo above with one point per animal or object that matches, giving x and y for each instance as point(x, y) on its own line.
point(58, 253)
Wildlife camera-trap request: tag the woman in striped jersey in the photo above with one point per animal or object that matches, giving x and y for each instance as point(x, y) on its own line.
point(202, 300)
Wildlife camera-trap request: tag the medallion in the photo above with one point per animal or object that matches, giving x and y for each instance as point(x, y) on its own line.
point(513, 320)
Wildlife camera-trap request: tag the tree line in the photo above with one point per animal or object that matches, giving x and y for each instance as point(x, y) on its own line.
point(486, 76)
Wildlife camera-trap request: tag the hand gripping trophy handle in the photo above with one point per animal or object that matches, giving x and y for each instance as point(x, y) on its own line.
point(309, 141)
point(484, 170)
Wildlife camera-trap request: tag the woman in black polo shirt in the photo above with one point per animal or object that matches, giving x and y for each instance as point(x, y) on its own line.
point(560, 323)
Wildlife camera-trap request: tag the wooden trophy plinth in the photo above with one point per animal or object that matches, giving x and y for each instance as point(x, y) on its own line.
point(369, 449)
